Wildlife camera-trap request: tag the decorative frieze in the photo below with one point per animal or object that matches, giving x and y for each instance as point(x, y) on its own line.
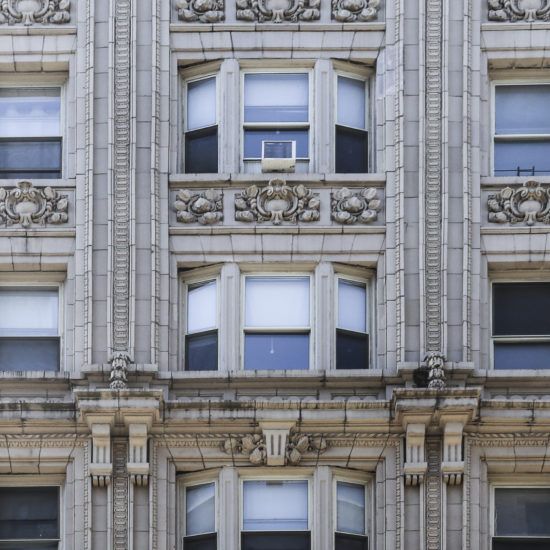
point(278, 11)
point(120, 496)
point(204, 207)
point(203, 11)
point(348, 11)
point(26, 205)
point(433, 508)
point(29, 12)
point(526, 11)
point(277, 203)
point(527, 204)
point(351, 207)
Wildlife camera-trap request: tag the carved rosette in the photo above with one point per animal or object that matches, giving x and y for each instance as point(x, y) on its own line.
point(528, 204)
point(278, 11)
point(26, 205)
point(526, 11)
point(203, 11)
point(29, 12)
point(204, 207)
point(350, 207)
point(348, 11)
point(277, 202)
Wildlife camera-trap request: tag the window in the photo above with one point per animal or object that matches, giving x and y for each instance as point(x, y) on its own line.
point(29, 518)
point(351, 126)
point(277, 322)
point(521, 325)
point(352, 338)
point(29, 328)
point(201, 126)
point(201, 340)
point(351, 517)
point(200, 517)
point(30, 133)
point(275, 515)
point(521, 519)
point(522, 130)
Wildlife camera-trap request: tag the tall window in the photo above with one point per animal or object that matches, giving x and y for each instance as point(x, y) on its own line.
point(275, 515)
point(201, 127)
point(351, 524)
point(29, 329)
point(521, 325)
point(351, 126)
point(522, 130)
point(200, 517)
point(277, 323)
point(30, 133)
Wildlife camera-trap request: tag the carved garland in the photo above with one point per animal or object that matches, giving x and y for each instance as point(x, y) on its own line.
point(347, 11)
point(350, 207)
point(29, 12)
point(277, 11)
point(526, 11)
point(205, 208)
point(204, 11)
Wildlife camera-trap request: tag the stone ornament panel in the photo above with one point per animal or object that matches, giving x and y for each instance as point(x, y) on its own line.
point(349, 11)
point(29, 12)
point(204, 207)
point(278, 11)
point(202, 11)
point(355, 207)
point(525, 11)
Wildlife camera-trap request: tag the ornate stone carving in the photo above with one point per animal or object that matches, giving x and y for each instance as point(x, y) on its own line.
point(277, 202)
point(204, 207)
point(277, 11)
point(519, 10)
point(528, 204)
point(29, 12)
point(436, 366)
point(452, 466)
point(350, 207)
point(300, 445)
point(101, 467)
point(138, 466)
point(120, 496)
point(347, 11)
point(433, 495)
point(415, 466)
point(27, 205)
point(119, 368)
point(205, 11)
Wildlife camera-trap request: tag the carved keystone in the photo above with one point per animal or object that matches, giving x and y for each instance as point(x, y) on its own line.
point(276, 435)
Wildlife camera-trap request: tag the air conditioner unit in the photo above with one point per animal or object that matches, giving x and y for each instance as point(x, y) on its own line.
point(278, 156)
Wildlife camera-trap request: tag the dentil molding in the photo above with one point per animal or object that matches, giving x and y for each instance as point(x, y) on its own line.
point(278, 11)
point(348, 11)
point(203, 11)
point(204, 207)
point(526, 11)
point(351, 207)
point(29, 12)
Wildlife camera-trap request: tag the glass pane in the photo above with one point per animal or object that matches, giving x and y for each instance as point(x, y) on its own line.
point(352, 305)
point(351, 542)
point(202, 306)
point(276, 97)
point(521, 309)
point(521, 544)
point(201, 542)
point(201, 103)
point(35, 158)
point(276, 351)
point(522, 512)
point(350, 508)
point(200, 509)
point(29, 512)
point(522, 355)
point(351, 102)
point(30, 112)
point(275, 541)
point(351, 151)
point(522, 158)
point(253, 141)
point(522, 109)
point(24, 354)
point(352, 350)
point(27, 312)
point(201, 151)
point(277, 302)
point(275, 505)
point(201, 351)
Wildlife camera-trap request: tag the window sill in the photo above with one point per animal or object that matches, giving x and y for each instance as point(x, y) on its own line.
point(38, 182)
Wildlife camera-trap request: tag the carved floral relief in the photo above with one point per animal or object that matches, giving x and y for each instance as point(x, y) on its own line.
point(277, 11)
point(204, 207)
point(203, 11)
point(29, 12)
point(351, 207)
point(347, 11)
point(526, 11)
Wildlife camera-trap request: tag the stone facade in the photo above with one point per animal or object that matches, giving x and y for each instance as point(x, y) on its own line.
point(430, 428)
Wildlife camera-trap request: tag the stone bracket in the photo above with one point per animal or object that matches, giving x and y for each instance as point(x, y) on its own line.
point(101, 467)
point(415, 467)
point(276, 436)
point(138, 464)
point(452, 467)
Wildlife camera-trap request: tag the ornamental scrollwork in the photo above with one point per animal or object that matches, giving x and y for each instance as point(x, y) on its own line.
point(204, 11)
point(204, 207)
point(27, 205)
point(350, 207)
point(29, 12)
point(526, 11)
point(528, 204)
point(278, 11)
point(277, 202)
point(348, 11)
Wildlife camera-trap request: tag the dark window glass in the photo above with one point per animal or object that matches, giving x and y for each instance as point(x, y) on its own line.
point(276, 541)
point(352, 350)
point(522, 512)
point(30, 158)
point(351, 542)
point(276, 351)
point(24, 354)
point(201, 151)
point(522, 355)
point(201, 542)
point(253, 141)
point(351, 150)
point(521, 544)
point(201, 351)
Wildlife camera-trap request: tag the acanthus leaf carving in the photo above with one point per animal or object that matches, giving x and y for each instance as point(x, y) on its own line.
point(348, 11)
point(527, 204)
point(119, 371)
point(436, 371)
point(277, 203)
point(29, 12)
point(204, 11)
point(27, 205)
point(527, 11)
point(204, 207)
point(351, 207)
point(278, 11)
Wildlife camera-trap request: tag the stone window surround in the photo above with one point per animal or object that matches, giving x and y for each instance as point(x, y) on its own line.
point(319, 355)
point(328, 90)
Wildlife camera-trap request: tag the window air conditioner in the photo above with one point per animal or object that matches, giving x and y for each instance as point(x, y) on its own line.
point(278, 156)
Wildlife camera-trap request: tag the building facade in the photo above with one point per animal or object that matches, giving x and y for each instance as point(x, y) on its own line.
point(274, 273)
